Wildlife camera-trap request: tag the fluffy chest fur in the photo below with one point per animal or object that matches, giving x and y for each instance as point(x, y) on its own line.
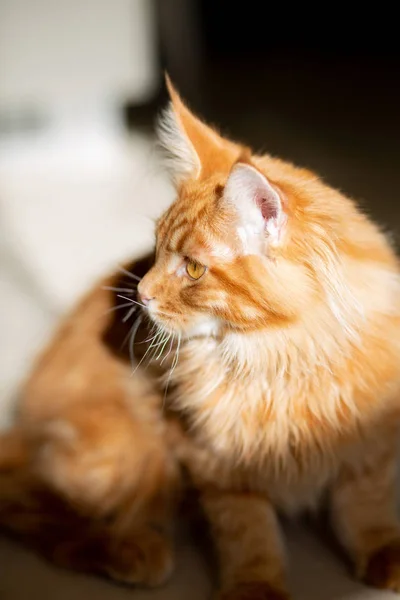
point(286, 411)
point(292, 299)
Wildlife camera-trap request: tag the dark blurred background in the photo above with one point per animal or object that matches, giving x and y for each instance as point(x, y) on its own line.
point(316, 84)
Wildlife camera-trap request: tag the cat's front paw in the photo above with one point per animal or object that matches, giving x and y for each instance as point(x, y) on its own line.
point(257, 590)
point(383, 568)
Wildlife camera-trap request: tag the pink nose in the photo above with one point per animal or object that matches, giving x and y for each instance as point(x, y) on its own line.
point(145, 299)
point(144, 293)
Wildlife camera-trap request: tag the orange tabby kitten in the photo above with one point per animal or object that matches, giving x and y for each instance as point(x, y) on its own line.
point(283, 303)
point(285, 300)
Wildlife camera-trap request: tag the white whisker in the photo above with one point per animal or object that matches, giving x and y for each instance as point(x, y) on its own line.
point(159, 342)
point(129, 274)
point(114, 308)
point(145, 354)
point(131, 300)
point(129, 314)
point(165, 342)
point(150, 339)
point(170, 348)
point(173, 367)
point(110, 288)
point(157, 311)
point(132, 335)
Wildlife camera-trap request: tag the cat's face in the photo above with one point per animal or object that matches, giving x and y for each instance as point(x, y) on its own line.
point(223, 257)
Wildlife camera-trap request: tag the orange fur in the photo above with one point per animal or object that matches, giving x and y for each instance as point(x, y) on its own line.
point(87, 476)
point(288, 369)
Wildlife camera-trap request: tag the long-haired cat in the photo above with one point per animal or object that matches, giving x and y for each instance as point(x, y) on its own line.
point(282, 301)
point(285, 299)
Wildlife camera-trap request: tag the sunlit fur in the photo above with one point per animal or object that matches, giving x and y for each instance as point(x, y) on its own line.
point(86, 475)
point(289, 364)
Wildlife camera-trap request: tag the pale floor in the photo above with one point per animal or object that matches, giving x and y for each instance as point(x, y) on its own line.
point(71, 206)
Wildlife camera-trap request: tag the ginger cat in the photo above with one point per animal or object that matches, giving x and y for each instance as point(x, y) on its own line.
point(285, 300)
point(281, 301)
point(87, 477)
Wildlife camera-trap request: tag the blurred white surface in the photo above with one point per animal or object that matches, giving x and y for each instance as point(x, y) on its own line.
point(76, 194)
point(63, 58)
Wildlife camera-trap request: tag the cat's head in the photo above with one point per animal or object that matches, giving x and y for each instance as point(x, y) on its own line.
point(238, 248)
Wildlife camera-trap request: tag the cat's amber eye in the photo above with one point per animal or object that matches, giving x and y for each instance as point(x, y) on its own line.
point(194, 269)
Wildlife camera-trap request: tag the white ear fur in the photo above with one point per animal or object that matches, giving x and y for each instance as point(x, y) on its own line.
point(258, 207)
point(181, 157)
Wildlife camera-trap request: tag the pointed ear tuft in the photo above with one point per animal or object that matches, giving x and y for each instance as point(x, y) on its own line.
point(258, 207)
point(181, 158)
point(194, 150)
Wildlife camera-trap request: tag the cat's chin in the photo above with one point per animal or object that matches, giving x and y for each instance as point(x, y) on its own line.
point(168, 324)
point(206, 327)
point(203, 327)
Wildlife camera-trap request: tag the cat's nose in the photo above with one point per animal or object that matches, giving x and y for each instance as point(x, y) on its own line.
point(144, 296)
point(145, 299)
point(145, 292)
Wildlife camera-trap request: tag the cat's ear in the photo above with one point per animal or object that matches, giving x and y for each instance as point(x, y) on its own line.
point(258, 207)
point(194, 150)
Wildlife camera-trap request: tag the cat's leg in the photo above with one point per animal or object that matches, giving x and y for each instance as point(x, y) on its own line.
point(365, 518)
point(248, 541)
